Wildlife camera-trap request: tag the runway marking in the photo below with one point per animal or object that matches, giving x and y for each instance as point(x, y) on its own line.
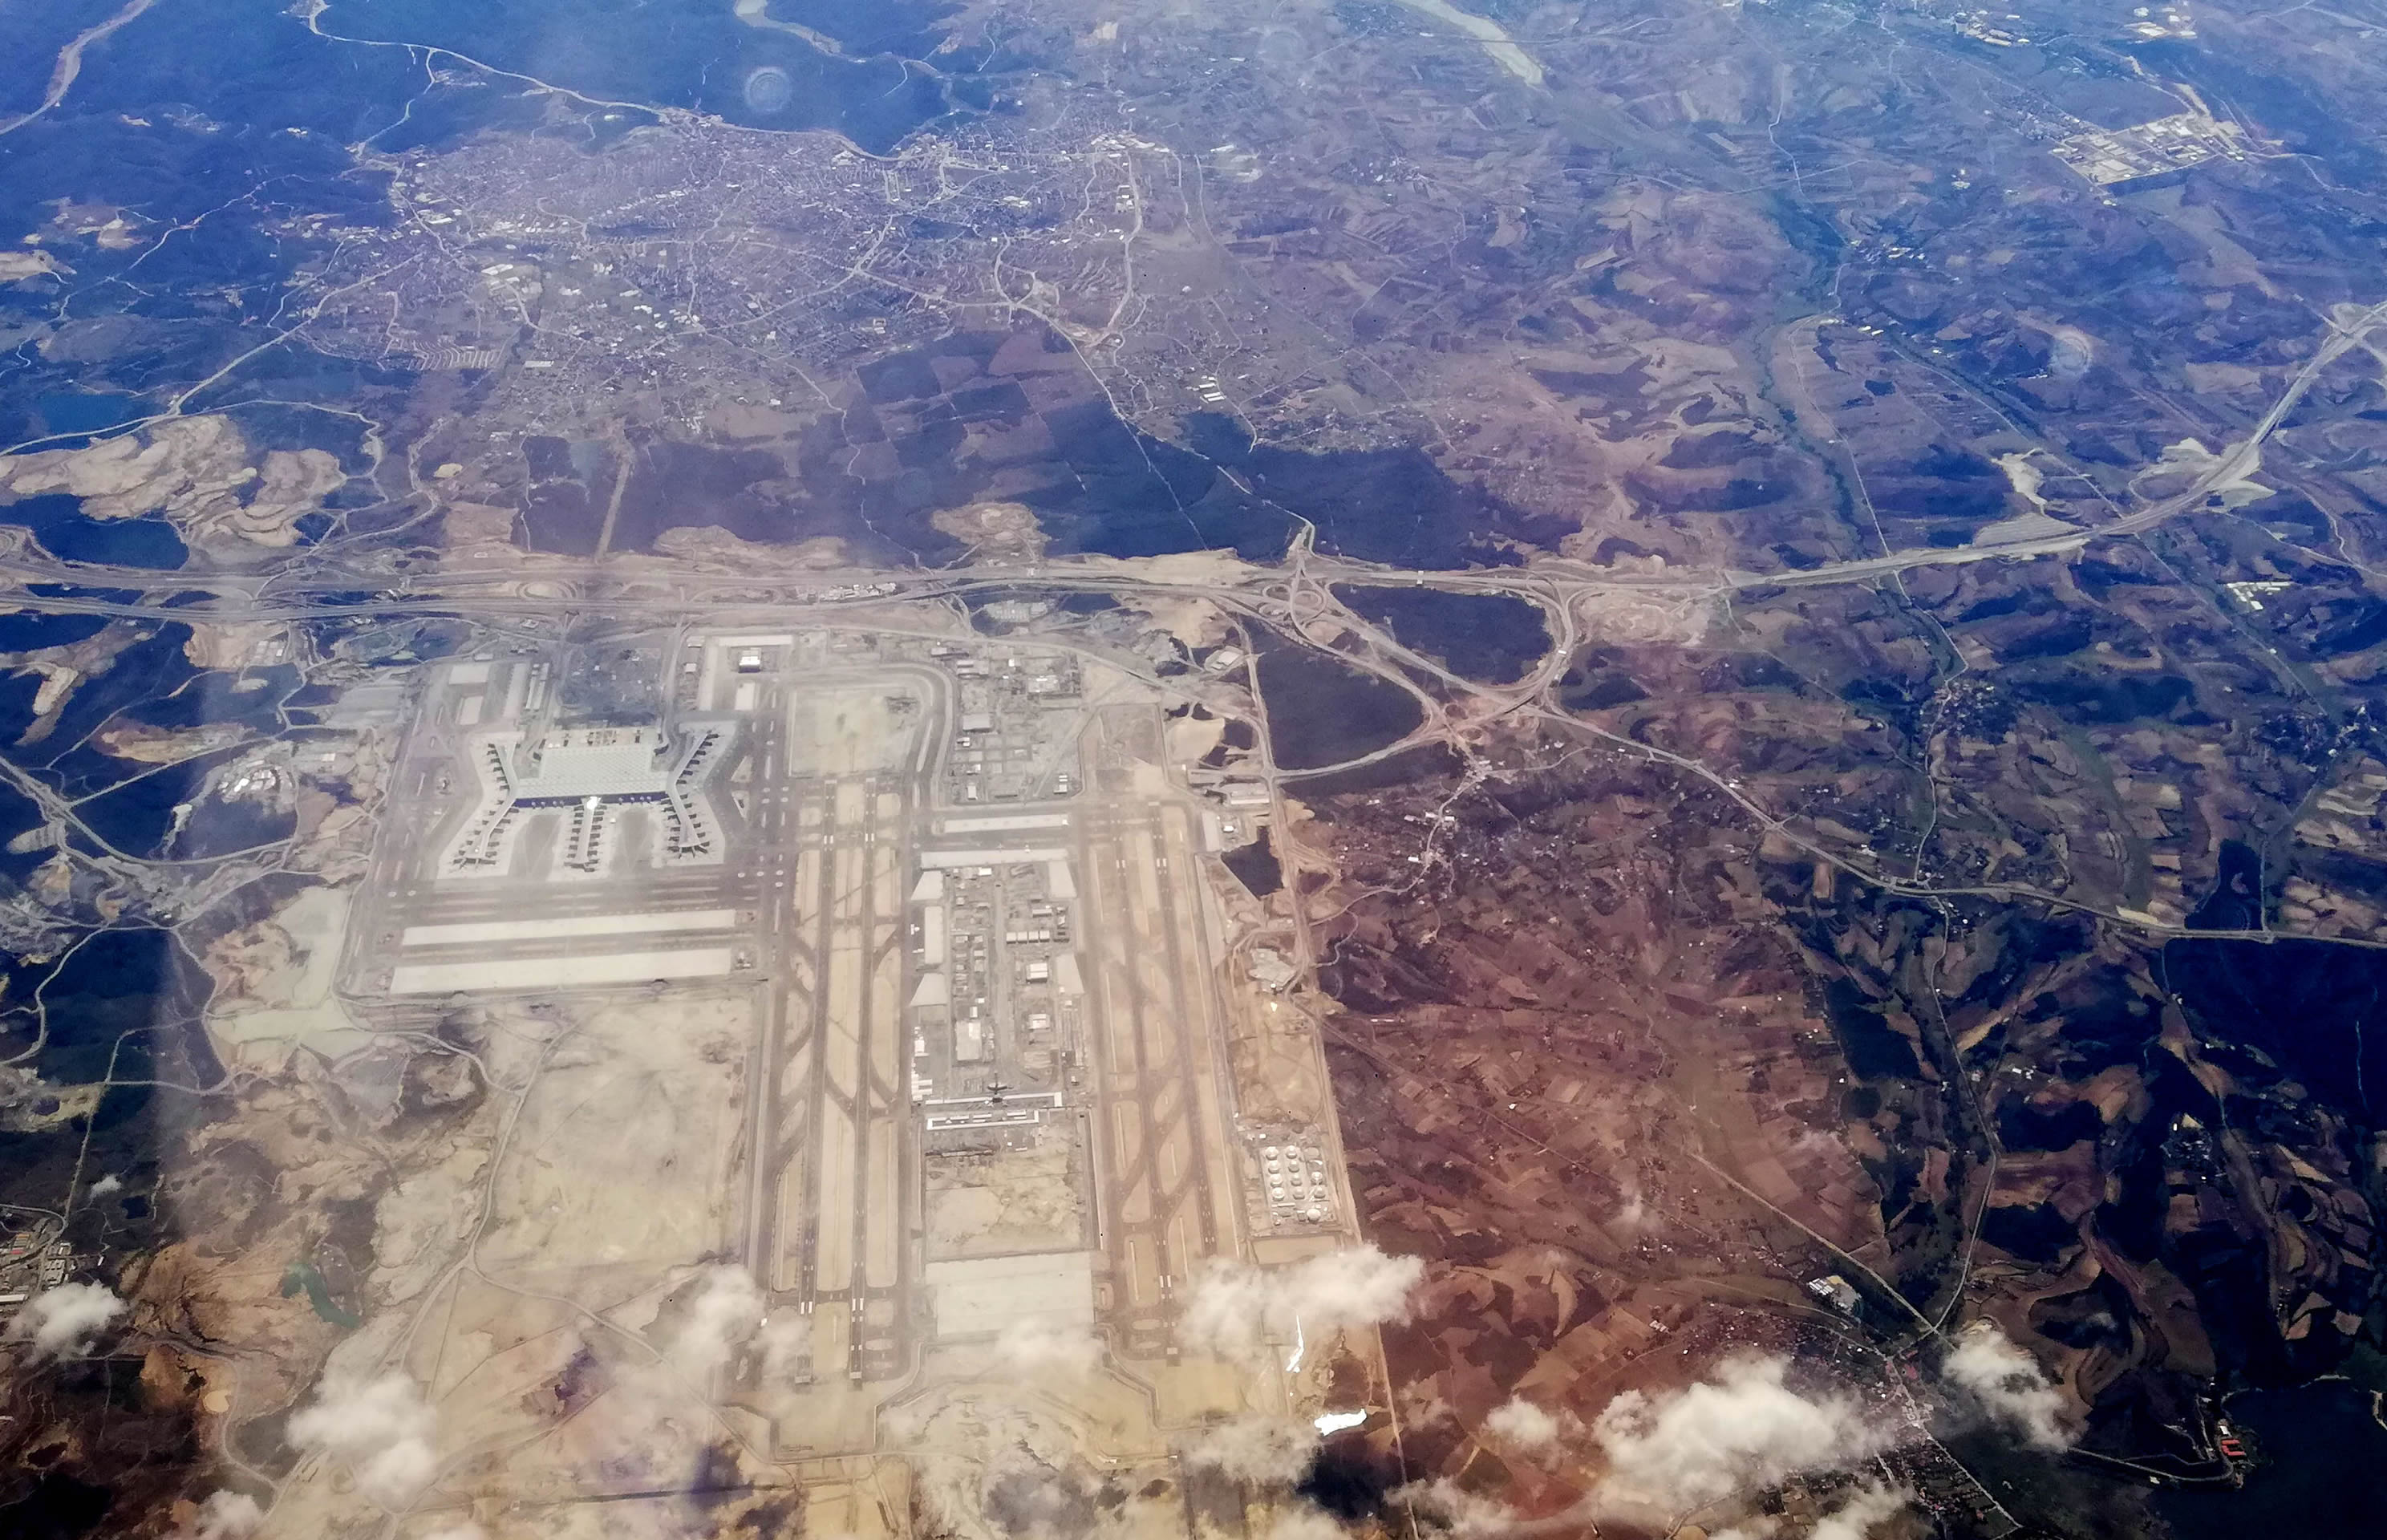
point(885, 1098)
point(883, 1260)
point(833, 1252)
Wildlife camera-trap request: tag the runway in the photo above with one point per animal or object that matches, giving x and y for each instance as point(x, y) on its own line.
point(1159, 1116)
point(1060, 952)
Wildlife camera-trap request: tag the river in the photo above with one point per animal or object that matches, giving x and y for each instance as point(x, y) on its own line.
point(1496, 43)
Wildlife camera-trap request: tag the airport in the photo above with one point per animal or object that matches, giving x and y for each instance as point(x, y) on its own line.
point(969, 920)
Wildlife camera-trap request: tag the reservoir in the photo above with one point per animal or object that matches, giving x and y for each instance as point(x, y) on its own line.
point(2320, 1468)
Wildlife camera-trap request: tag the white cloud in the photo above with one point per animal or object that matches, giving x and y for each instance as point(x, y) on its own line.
point(1463, 1513)
point(1234, 1308)
point(1423, 1408)
point(786, 1342)
point(657, 1409)
point(105, 1186)
point(1868, 1506)
point(465, 1531)
point(2009, 1384)
point(1739, 1431)
point(1519, 1421)
point(227, 1516)
point(1034, 1348)
point(1303, 1522)
point(381, 1429)
point(63, 1321)
point(721, 1319)
point(1257, 1451)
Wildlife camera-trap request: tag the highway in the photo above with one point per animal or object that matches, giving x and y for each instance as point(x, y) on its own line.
point(544, 589)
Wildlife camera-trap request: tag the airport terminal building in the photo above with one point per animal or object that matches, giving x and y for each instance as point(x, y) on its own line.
point(588, 775)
